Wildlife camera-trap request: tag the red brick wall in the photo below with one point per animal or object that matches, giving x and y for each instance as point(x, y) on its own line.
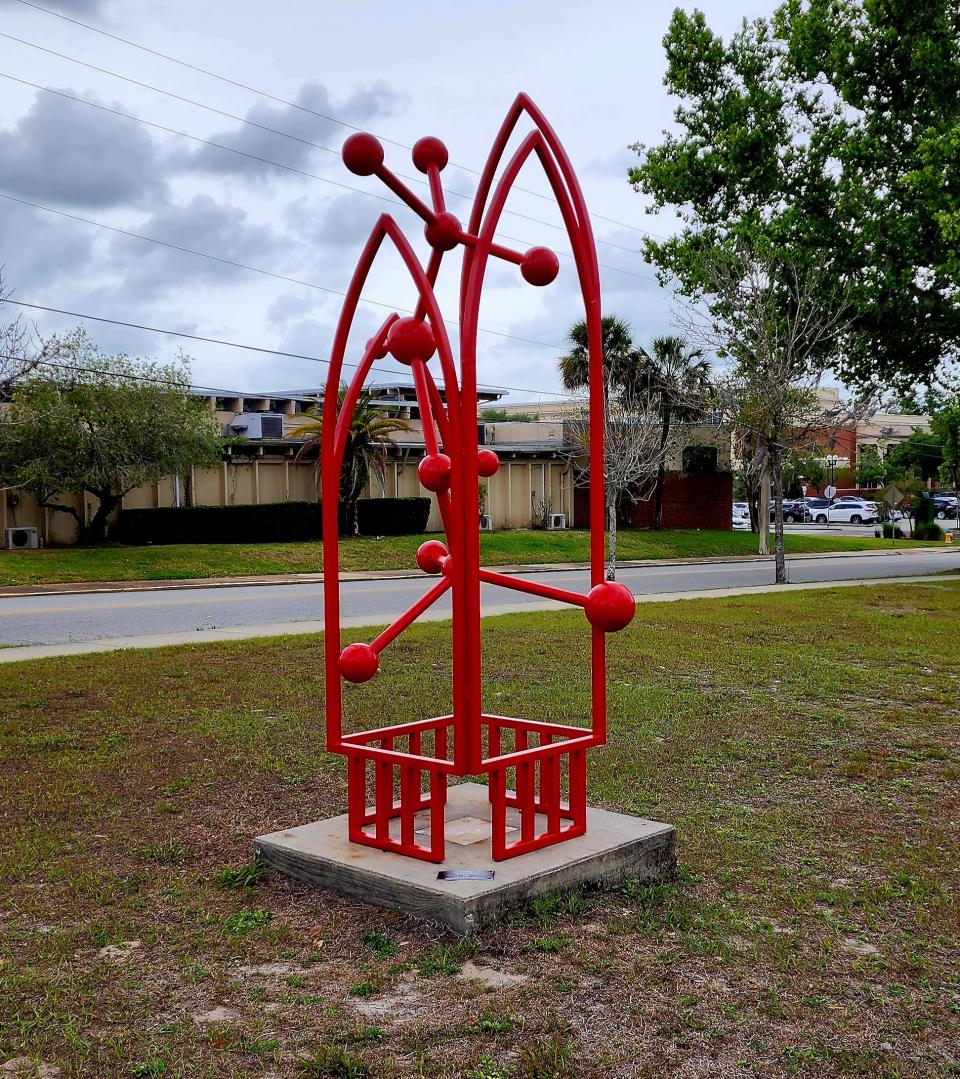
point(697, 501)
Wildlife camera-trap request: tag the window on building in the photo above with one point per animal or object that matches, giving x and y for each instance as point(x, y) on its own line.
point(699, 459)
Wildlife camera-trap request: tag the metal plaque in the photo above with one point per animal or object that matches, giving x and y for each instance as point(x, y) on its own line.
point(465, 874)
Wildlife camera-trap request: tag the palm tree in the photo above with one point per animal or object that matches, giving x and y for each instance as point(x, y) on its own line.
point(622, 359)
point(679, 378)
point(365, 450)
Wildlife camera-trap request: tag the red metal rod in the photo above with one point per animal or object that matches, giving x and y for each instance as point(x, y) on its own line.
point(439, 412)
point(436, 187)
point(379, 733)
point(399, 188)
point(432, 273)
point(409, 615)
point(557, 749)
point(419, 370)
point(519, 584)
point(398, 756)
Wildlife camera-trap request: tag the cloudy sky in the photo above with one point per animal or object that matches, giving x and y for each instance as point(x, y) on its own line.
point(401, 71)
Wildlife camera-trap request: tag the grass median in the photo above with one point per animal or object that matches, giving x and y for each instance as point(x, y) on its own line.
point(806, 751)
point(203, 560)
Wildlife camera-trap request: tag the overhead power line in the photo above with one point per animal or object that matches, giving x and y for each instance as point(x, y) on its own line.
point(267, 128)
point(250, 348)
point(254, 269)
point(289, 104)
point(286, 168)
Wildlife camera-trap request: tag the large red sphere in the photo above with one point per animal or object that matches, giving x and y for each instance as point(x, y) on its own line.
point(430, 556)
point(487, 462)
point(610, 606)
point(359, 663)
point(434, 472)
point(411, 339)
point(429, 151)
point(540, 266)
point(362, 154)
point(444, 233)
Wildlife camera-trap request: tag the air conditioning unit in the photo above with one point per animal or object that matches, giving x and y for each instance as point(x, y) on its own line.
point(21, 539)
point(556, 520)
point(486, 522)
point(257, 425)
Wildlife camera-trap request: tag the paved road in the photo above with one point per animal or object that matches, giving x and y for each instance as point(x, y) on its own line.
point(53, 619)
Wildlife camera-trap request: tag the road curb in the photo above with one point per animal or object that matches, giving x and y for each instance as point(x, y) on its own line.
point(172, 584)
point(101, 587)
point(22, 653)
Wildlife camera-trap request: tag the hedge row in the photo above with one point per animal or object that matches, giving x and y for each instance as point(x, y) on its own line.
point(273, 522)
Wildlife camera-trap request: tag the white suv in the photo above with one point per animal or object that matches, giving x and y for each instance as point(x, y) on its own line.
point(849, 511)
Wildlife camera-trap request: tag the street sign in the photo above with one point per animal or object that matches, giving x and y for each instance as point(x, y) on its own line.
point(893, 497)
point(829, 491)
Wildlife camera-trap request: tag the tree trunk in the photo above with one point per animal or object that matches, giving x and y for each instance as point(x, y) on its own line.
point(776, 463)
point(661, 473)
point(764, 509)
point(96, 531)
point(611, 574)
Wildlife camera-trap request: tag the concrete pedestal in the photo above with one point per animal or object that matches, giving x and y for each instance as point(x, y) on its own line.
point(615, 846)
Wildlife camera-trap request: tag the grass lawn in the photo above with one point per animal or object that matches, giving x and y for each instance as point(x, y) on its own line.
point(808, 753)
point(394, 552)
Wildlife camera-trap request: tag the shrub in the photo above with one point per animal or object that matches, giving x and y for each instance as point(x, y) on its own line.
point(272, 522)
point(888, 530)
point(929, 530)
point(392, 516)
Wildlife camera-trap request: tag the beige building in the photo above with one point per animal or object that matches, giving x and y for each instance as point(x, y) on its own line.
point(260, 464)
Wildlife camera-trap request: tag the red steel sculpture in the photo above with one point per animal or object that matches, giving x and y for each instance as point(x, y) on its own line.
point(529, 764)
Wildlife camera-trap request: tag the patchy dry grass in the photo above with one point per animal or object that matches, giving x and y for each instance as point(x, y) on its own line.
point(805, 745)
point(202, 560)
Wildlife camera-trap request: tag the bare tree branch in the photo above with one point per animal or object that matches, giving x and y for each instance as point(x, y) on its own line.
point(775, 328)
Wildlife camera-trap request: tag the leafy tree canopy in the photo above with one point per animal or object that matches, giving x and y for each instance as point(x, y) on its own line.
point(103, 425)
point(919, 456)
point(828, 134)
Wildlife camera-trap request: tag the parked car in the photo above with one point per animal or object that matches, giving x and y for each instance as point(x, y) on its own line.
point(741, 515)
point(945, 506)
point(847, 512)
point(794, 511)
point(815, 506)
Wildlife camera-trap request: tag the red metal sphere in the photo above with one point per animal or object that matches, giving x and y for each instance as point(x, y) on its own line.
point(540, 266)
point(444, 233)
point(429, 151)
point(381, 351)
point(362, 154)
point(610, 606)
point(446, 567)
point(359, 663)
point(430, 556)
point(411, 339)
point(434, 472)
point(487, 462)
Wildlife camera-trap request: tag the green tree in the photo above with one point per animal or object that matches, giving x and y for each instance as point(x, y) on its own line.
point(823, 134)
point(371, 433)
point(632, 451)
point(919, 456)
point(945, 427)
point(103, 425)
point(806, 465)
point(679, 381)
point(872, 468)
point(623, 361)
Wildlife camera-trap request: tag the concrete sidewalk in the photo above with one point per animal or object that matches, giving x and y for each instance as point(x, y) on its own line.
point(95, 587)
point(239, 633)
